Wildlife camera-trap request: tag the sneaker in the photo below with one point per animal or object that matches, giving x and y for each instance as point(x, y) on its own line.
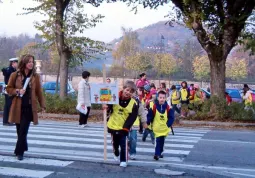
point(116, 158)
point(123, 164)
point(84, 125)
point(143, 139)
point(132, 157)
point(161, 156)
point(19, 157)
point(156, 158)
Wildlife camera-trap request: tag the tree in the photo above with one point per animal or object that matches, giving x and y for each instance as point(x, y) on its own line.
point(165, 64)
point(128, 46)
point(66, 18)
point(236, 69)
point(139, 62)
point(201, 68)
point(217, 25)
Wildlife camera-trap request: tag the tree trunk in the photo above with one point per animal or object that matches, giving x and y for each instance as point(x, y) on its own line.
point(63, 75)
point(218, 84)
point(57, 80)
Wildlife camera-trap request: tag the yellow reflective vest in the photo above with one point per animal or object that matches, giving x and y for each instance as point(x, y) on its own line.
point(159, 125)
point(173, 96)
point(248, 101)
point(120, 115)
point(184, 94)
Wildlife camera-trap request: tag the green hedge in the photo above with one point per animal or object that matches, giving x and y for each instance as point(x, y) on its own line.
point(55, 105)
point(67, 106)
point(217, 109)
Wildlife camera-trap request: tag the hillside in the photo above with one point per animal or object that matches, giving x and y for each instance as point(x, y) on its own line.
point(152, 34)
point(149, 36)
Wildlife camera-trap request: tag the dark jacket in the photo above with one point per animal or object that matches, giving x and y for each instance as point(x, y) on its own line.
point(7, 73)
point(161, 109)
point(131, 118)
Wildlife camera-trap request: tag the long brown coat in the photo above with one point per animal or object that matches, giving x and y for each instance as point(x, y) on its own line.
point(36, 95)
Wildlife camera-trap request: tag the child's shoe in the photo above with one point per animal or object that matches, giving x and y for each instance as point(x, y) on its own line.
point(123, 164)
point(132, 157)
point(156, 158)
point(116, 158)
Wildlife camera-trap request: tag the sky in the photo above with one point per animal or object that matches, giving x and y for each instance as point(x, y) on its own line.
point(116, 16)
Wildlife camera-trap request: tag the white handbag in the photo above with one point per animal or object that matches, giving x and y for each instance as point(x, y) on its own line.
point(81, 109)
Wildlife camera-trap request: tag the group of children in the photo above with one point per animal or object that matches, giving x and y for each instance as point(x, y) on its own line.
point(143, 105)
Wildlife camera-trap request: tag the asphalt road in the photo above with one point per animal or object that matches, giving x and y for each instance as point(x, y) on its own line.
point(198, 152)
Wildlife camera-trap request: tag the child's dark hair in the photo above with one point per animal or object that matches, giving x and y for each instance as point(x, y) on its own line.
point(85, 74)
point(163, 85)
point(162, 92)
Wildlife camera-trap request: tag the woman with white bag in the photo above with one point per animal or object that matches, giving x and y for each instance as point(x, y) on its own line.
point(84, 102)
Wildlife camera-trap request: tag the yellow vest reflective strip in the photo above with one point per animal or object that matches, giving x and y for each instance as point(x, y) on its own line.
point(120, 115)
point(248, 101)
point(159, 125)
point(174, 94)
point(184, 94)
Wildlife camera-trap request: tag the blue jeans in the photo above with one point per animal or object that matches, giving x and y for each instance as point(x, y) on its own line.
point(175, 108)
point(146, 133)
point(132, 142)
point(159, 148)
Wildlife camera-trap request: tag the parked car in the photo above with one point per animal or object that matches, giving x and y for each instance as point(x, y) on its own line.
point(206, 93)
point(235, 95)
point(50, 87)
point(2, 85)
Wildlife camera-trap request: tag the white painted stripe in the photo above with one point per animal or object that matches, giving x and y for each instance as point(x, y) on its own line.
point(46, 162)
point(240, 174)
point(186, 134)
point(76, 154)
point(93, 131)
point(7, 171)
point(66, 138)
point(80, 145)
point(101, 128)
point(228, 141)
point(90, 133)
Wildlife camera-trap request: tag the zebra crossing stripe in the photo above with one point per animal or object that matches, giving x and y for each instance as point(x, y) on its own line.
point(8, 171)
point(66, 138)
point(46, 162)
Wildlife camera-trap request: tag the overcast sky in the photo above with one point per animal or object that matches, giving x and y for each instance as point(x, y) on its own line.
point(116, 15)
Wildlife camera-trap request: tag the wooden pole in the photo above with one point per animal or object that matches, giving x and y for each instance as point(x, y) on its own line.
point(105, 118)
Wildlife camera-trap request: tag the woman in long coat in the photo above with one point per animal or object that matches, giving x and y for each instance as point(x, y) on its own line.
point(24, 104)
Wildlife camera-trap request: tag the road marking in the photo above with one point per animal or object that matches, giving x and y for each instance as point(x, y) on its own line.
point(7, 171)
point(80, 145)
point(66, 138)
point(46, 162)
point(240, 174)
point(227, 141)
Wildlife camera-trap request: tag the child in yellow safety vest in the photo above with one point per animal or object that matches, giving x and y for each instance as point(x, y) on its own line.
point(185, 94)
point(122, 117)
point(175, 99)
point(141, 118)
point(161, 117)
point(247, 97)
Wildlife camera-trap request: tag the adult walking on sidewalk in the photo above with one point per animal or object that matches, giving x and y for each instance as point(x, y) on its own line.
point(8, 100)
point(84, 97)
point(24, 104)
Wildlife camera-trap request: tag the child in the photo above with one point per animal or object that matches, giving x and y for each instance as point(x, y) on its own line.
point(142, 118)
point(122, 117)
point(161, 117)
point(149, 105)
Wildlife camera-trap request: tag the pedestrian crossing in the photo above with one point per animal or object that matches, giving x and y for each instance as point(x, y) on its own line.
point(50, 142)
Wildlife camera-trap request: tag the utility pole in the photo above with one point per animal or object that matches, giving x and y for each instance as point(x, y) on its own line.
point(161, 52)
